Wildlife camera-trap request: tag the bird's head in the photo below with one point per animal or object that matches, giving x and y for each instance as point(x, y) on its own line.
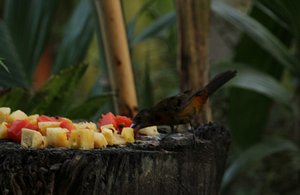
point(143, 119)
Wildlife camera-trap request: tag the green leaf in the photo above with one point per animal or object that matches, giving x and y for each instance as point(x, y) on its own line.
point(262, 36)
point(249, 111)
point(29, 23)
point(77, 37)
point(266, 9)
point(89, 108)
point(264, 84)
point(157, 26)
point(132, 24)
point(255, 154)
point(16, 76)
point(3, 65)
point(257, 81)
point(16, 98)
point(55, 97)
point(287, 11)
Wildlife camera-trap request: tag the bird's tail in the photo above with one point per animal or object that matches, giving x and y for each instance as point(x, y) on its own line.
point(219, 80)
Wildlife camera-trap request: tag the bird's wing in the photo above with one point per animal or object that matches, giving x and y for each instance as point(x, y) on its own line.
point(170, 105)
point(193, 103)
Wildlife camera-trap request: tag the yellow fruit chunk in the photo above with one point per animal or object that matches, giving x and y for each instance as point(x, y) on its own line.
point(109, 126)
point(3, 130)
point(99, 140)
point(4, 113)
point(48, 124)
point(108, 134)
point(57, 137)
point(32, 119)
point(82, 139)
point(151, 131)
point(86, 125)
point(128, 134)
point(16, 115)
point(45, 141)
point(118, 140)
point(32, 139)
point(74, 139)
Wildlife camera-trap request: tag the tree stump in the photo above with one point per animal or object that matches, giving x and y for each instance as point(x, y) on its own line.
point(182, 163)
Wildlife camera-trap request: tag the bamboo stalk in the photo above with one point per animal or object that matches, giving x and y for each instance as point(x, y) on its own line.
point(117, 56)
point(193, 29)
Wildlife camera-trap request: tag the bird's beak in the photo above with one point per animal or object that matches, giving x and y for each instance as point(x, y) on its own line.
point(134, 126)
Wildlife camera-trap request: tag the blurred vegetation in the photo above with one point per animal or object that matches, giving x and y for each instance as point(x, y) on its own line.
point(51, 63)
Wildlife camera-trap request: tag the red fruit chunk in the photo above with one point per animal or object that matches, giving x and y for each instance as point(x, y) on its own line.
point(66, 123)
point(123, 121)
point(44, 118)
point(15, 129)
point(117, 121)
point(107, 119)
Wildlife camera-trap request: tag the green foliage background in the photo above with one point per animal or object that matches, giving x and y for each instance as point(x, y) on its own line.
point(260, 106)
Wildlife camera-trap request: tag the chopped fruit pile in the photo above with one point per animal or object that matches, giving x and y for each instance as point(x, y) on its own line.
point(40, 131)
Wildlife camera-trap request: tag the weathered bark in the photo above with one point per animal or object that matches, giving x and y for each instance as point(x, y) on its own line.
point(193, 30)
point(178, 164)
point(117, 56)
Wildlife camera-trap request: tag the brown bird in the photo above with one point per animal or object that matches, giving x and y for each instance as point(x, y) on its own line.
point(181, 108)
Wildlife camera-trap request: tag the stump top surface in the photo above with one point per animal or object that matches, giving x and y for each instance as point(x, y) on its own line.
point(182, 163)
point(203, 135)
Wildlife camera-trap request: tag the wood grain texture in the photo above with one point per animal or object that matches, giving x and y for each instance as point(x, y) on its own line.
point(193, 31)
point(177, 164)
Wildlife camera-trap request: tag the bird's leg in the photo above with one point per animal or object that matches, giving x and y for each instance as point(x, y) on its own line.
point(170, 132)
point(172, 129)
point(191, 125)
point(193, 130)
